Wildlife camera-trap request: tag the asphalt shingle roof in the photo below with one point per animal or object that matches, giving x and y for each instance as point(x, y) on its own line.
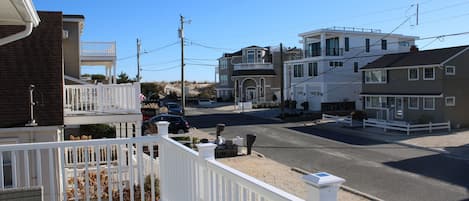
point(426, 57)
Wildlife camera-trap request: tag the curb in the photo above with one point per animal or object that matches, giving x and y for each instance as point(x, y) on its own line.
point(343, 187)
point(398, 143)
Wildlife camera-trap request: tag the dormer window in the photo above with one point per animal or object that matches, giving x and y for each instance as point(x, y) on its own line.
point(251, 56)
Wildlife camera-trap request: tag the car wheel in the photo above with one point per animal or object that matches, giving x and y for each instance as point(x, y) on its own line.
point(180, 131)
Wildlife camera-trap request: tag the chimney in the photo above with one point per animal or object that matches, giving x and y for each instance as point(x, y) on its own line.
point(413, 48)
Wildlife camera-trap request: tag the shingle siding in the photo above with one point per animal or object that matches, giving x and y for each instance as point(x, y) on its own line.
point(36, 59)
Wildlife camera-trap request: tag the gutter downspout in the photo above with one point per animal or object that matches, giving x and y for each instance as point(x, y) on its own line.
point(17, 36)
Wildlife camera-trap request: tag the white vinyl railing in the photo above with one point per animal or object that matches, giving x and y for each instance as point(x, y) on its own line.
point(184, 174)
point(337, 119)
point(406, 127)
point(100, 49)
point(100, 98)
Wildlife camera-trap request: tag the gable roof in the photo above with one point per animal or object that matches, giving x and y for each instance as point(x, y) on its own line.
point(421, 58)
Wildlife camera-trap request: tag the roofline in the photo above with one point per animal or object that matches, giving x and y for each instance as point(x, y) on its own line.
point(317, 31)
point(32, 12)
point(402, 67)
point(454, 56)
point(402, 95)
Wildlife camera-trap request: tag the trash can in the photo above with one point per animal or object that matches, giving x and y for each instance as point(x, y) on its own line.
point(250, 139)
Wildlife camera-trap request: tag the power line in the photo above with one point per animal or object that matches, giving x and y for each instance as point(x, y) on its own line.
point(208, 46)
point(162, 69)
point(149, 51)
point(164, 62)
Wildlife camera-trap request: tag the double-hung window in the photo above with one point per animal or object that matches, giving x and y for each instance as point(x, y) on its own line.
point(450, 101)
point(450, 70)
point(384, 44)
point(298, 70)
point(251, 56)
point(376, 77)
point(312, 69)
point(413, 74)
point(429, 73)
point(413, 103)
point(367, 45)
point(428, 103)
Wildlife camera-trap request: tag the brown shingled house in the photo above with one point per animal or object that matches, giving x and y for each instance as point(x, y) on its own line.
point(419, 86)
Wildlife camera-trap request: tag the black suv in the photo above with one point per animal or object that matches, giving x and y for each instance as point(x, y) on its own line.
point(177, 124)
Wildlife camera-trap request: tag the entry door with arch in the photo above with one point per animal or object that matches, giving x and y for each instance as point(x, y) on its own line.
point(251, 94)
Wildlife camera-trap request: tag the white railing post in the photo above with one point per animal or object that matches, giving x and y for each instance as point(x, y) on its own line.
point(100, 97)
point(430, 127)
point(322, 186)
point(449, 126)
point(136, 107)
point(206, 152)
point(162, 128)
point(408, 129)
point(364, 123)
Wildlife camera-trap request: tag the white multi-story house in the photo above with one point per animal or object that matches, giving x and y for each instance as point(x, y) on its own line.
point(328, 76)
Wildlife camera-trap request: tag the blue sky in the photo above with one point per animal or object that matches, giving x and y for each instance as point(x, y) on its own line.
point(226, 26)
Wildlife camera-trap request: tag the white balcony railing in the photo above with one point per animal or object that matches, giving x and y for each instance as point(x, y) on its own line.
point(98, 49)
point(113, 98)
point(253, 66)
point(183, 173)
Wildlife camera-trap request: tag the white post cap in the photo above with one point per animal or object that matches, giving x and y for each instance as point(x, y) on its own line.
point(162, 128)
point(322, 179)
point(206, 150)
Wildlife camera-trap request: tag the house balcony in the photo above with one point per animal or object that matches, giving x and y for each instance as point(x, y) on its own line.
point(328, 52)
point(118, 169)
point(97, 52)
point(253, 66)
point(83, 101)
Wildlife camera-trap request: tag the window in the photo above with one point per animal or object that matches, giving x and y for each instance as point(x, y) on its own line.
point(428, 103)
point(223, 63)
point(413, 74)
point(384, 44)
point(347, 44)
point(429, 74)
point(404, 43)
point(298, 70)
point(450, 101)
point(367, 45)
point(310, 69)
point(413, 103)
point(332, 47)
point(331, 63)
point(375, 102)
point(313, 49)
point(223, 79)
point(262, 88)
point(450, 70)
point(313, 69)
point(251, 56)
point(376, 76)
point(355, 67)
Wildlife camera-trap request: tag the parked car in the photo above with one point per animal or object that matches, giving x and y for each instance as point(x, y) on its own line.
point(174, 108)
point(148, 113)
point(204, 102)
point(177, 124)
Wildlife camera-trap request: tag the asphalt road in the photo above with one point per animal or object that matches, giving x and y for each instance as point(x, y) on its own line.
point(388, 171)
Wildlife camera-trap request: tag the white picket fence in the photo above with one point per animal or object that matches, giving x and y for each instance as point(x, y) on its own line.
point(338, 119)
point(406, 127)
point(101, 98)
point(184, 174)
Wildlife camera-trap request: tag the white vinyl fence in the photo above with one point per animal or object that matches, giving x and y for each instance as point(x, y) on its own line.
point(129, 174)
point(338, 119)
point(406, 127)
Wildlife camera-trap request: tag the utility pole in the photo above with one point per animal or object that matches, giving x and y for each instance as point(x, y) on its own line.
point(282, 87)
point(138, 59)
point(181, 36)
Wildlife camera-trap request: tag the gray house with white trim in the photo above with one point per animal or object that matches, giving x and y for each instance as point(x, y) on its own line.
point(419, 86)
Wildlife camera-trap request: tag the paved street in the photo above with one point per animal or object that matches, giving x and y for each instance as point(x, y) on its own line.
point(388, 171)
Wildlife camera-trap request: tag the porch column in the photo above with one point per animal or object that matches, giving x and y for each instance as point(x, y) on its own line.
point(323, 44)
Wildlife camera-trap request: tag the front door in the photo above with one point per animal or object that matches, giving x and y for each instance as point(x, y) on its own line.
point(251, 94)
point(399, 113)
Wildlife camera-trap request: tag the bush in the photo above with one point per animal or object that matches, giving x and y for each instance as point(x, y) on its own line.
point(359, 115)
point(98, 131)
